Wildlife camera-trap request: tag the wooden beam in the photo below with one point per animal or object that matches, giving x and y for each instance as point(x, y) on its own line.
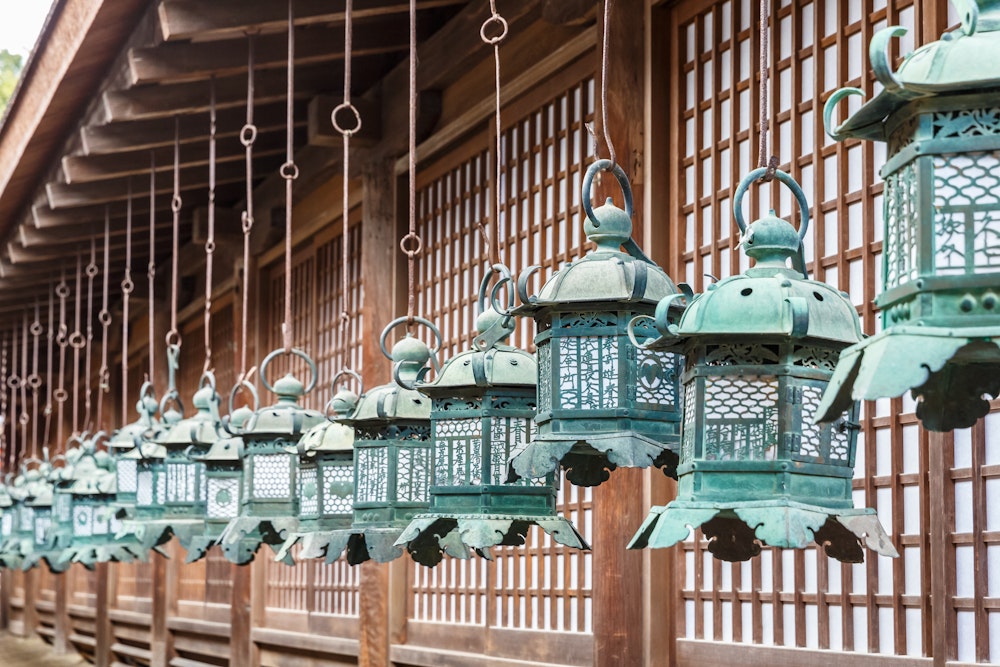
point(194, 183)
point(223, 19)
point(181, 99)
point(91, 168)
point(176, 62)
point(29, 236)
point(119, 136)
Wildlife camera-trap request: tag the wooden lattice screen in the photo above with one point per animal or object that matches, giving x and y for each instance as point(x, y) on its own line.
point(313, 586)
point(802, 598)
point(545, 151)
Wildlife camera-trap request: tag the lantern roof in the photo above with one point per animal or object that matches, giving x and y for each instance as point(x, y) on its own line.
point(392, 402)
point(145, 449)
point(327, 436)
point(200, 429)
point(93, 473)
point(286, 416)
point(962, 61)
point(224, 450)
point(146, 426)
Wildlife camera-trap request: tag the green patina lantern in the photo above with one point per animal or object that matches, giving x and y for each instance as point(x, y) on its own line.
point(20, 527)
point(92, 488)
point(602, 403)
point(53, 516)
point(325, 477)
point(40, 502)
point(482, 405)
point(185, 493)
point(7, 515)
point(760, 349)
point(392, 461)
point(269, 504)
point(940, 116)
point(223, 475)
point(127, 439)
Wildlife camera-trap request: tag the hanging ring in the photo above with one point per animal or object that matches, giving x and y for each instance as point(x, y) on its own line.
point(247, 221)
point(357, 119)
point(493, 294)
point(248, 134)
point(24, 419)
point(783, 177)
point(36, 328)
point(77, 341)
point(249, 388)
point(350, 373)
point(406, 320)
point(60, 395)
point(14, 382)
point(91, 270)
point(588, 180)
point(294, 352)
point(62, 290)
point(175, 204)
point(174, 397)
point(289, 171)
point(411, 244)
point(209, 246)
point(207, 380)
point(104, 317)
point(500, 23)
point(173, 338)
point(34, 381)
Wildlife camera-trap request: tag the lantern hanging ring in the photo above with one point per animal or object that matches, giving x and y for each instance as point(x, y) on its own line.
point(500, 23)
point(588, 180)
point(789, 182)
point(77, 340)
point(411, 244)
point(415, 320)
point(349, 373)
point(347, 132)
point(243, 385)
point(293, 352)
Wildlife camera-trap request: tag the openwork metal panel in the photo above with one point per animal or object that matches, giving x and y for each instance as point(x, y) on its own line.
point(803, 598)
point(546, 149)
point(317, 302)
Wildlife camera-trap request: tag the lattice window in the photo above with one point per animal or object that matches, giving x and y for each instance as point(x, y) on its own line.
point(308, 491)
point(545, 153)
point(414, 466)
point(588, 372)
point(741, 417)
point(144, 493)
point(802, 598)
point(338, 489)
point(223, 497)
point(967, 213)
point(373, 487)
point(127, 475)
point(271, 477)
point(457, 447)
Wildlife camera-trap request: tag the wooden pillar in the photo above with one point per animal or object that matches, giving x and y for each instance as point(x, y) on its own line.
point(619, 505)
point(158, 612)
point(60, 637)
point(239, 638)
point(378, 251)
point(941, 455)
point(102, 621)
point(29, 613)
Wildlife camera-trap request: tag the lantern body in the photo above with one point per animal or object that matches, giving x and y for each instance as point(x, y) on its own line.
point(223, 492)
point(754, 468)
point(940, 300)
point(601, 402)
point(127, 439)
point(483, 402)
point(269, 503)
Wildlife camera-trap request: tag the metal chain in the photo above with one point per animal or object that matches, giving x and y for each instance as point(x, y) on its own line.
point(89, 345)
point(77, 341)
point(604, 85)
point(127, 287)
point(247, 137)
point(174, 335)
point(770, 163)
point(3, 402)
point(151, 267)
point(34, 381)
point(104, 317)
point(346, 133)
point(210, 241)
point(24, 418)
point(62, 340)
point(491, 238)
point(289, 171)
point(13, 383)
point(48, 370)
point(411, 244)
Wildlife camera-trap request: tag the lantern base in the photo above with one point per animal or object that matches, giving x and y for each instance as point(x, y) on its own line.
point(737, 533)
point(241, 539)
point(376, 544)
point(589, 459)
point(53, 560)
point(430, 536)
point(947, 370)
point(113, 552)
point(151, 534)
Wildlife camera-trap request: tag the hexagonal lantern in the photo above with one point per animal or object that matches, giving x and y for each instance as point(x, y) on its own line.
point(482, 404)
point(269, 506)
point(53, 518)
point(601, 402)
point(39, 500)
point(940, 116)
point(20, 541)
point(325, 478)
point(184, 498)
point(392, 462)
point(127, 439)
point(223, 477)
point(7, 515)
point(760, 348)
point(93, 492)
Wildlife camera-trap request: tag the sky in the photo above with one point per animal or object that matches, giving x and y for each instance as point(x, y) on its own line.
point(20, 21)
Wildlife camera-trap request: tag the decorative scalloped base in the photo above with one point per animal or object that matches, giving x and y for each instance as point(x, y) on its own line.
point(590, 459)
point(737, 533)
point(376, 544)
point(243, 536)
point(430, 536)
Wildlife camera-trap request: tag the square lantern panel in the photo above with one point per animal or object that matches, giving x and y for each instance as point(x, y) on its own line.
point(223, 496)
point(43, 521)
point(127, 470)
point(336, 487)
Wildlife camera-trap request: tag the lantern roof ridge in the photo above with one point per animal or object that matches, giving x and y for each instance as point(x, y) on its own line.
point(500, 365)
point(223, 449)
point(202, 428)
point(326, 436)
point(960, 60)
point(386, 403)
